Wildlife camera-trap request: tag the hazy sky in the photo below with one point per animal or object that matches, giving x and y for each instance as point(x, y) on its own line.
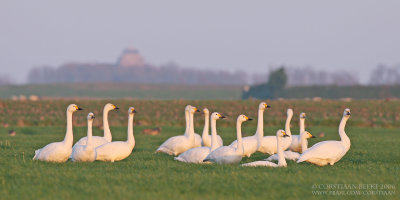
point(249, 35)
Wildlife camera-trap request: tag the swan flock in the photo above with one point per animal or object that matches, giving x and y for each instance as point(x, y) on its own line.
point(190, 147)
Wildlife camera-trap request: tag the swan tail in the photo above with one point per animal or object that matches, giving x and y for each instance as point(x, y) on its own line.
point(36, 154)
point(271, 158)
point(164, 150)
point(180, 159)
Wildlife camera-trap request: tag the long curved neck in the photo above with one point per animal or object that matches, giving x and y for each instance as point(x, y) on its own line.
point(191, 129)
point(287, 125)
point(239, 148)
point(106, 126)
point(214, 144)
point(131, 138)
point(303, 141)
point(89, 133)
point(69, 137)
point(345, 139)
point(281, 157)
point(260, 124)
point(206, 126)
point(187, 122)
point(302, 126)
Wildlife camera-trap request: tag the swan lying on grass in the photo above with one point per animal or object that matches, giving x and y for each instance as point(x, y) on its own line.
point(230, 154)
point(206, 138)
point(252, 143)
point(329, 152)
point(181, 143)
point(59, 151)
point(85, 153)
point(280, 135)
point(118, 150)
point(198, 154)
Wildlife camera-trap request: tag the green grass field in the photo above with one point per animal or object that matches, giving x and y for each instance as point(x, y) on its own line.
point(374, 158)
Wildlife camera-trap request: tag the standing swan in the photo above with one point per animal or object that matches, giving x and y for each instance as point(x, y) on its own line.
point(59, 151)
point(230, 154)
point(85, 153)
point(290, 155)
point(197, 138)
point(98, 140)
point(181, 143)
point(119, 150)
point(206, 139)
point(252, 143)
point(198, 154)
point(280, 135)
point(329, 152)
point(269, 143)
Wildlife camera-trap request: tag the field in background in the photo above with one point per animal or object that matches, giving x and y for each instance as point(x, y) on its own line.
point(122, 90)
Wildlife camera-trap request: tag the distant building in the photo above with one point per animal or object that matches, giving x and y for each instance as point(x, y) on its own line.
point(131, 58)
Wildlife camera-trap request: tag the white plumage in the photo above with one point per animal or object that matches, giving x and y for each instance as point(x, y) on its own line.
point(206, 138)
point(85, 153)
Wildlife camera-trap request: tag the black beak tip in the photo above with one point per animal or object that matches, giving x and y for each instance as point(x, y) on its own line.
point(313, 137)
point(250, 119)
point(197, 110)
point(222, 117)
point(80, 108)
point(268, 106)
point(134, 111)
point(116, 108)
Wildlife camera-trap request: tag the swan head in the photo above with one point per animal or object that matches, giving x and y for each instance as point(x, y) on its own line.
point(216, 116)
point(307, 135)
point(346, 113)
point(193, 110)
point(110, 106)
point(187, 108)
point(73, 108)
point(263, 106)
point(206, 111)
point(289, 112)
point(243, 118)
point(131, 110)
point(281, 133)
point(90, 116)
point(302, 115)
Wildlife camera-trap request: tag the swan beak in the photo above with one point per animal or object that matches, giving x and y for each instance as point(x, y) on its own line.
point(93, 117)
point(286, 135)
point(313, 137)
point(134, 111)
point(348, 113)
point(268, 106)
point(222, 117)
point(116, 108)
point(197, 110)
point(79, 108)
point(249, 119)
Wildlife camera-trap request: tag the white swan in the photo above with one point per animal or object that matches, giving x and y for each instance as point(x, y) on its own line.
point(198, 154)
point(85, 153)
point(98, 140)
point(269, 143)
point(59, 151)
point(181, 143)
point(118, 150)
point(206, 138)
point(280, 135)
point(329, 152)
point(251, 143)
point(296, 144)
point(290, 155)
point(197, 138)
point(230, 154)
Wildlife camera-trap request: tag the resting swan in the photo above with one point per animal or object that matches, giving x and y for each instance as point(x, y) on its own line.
point(251, 143)
point(206, 138)
point(329, 152)
point(197, 138)
point(290, 155)
point(198, 154)
point(181, 143)
point(85, 153)
point(118, 150)
point(98, 140)
point(280, 135)
point(59, 151)
point(269, 143)
point(230, 154)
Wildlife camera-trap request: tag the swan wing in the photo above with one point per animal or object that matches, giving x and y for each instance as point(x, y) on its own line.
point(260, 163)
point(289, 155)
point(250, 145)
point(323, 150)
point(268, 145)
point(195, 155)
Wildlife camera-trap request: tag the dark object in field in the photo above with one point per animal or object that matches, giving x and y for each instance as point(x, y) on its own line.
point(152, 131)
point(321, 134)
point(12, 133)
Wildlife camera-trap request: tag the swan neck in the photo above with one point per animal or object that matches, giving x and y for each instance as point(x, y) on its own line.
point(343, 136)
point(214, 144)
point(302, 125)
point(260, 124)
point(303, 143)
point(239, 148)
point(106, 126)
point(89, 133)
point(191, 129)
point(287, 125)
point(187, 122)
point(69, 137)
point(206, 126)
point(131, 138)
point(281, 157)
